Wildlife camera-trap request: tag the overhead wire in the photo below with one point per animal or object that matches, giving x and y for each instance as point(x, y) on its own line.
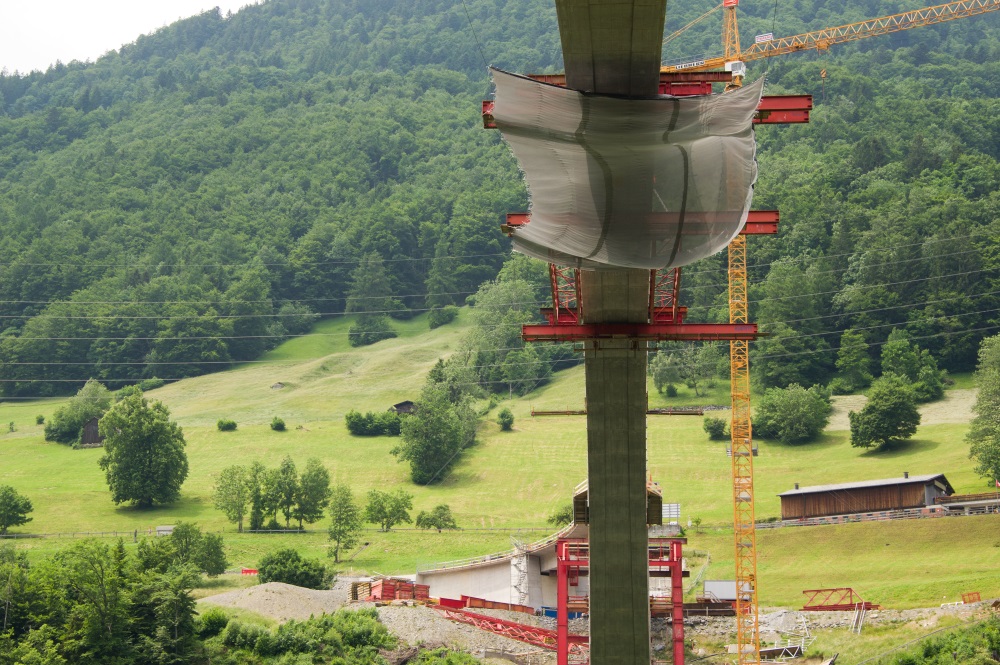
point(235, 303)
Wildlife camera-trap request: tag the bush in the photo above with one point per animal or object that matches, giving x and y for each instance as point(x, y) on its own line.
point(289, 567)
point(671, 390)
point(240, 635)
point(385, 423)
point(441, 316)
point(439, 518)
point(890, 414)
point(562, 516)
point(212, 622)
point(716, 428)
point(793, 414)
point(226, 425)
point(39, 419)
point(277, 424)
point(66, 425)
point(506, 420)
point(839, 386)
point(370, 329)
point(151, 384)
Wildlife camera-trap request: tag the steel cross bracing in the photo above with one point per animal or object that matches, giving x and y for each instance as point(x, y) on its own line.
point(665, 558)
point(539, 637)
point(747, 629)
point(839, 599)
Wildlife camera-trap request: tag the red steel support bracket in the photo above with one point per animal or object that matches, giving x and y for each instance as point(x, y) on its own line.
point(759, 222)
point(773, 109)
point(659, 332)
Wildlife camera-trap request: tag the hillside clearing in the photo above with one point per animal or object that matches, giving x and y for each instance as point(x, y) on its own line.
point(955, 408)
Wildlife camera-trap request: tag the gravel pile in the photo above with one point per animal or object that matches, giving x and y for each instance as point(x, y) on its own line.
point(422, 625)
point(282, 601)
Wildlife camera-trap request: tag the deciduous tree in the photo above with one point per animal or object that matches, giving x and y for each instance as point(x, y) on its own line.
point(890, 414)
point(233, 493)
point(439, 518)
point(14, 508)
point(144, 460)
point(793, 414)
point(432, 437)
point(387, 509)
point(313, 493)
point(345, 520)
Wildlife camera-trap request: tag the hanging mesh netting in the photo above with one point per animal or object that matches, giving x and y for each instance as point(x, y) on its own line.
point(629, 183)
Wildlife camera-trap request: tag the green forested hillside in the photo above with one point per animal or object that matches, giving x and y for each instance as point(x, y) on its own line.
point(189, 200)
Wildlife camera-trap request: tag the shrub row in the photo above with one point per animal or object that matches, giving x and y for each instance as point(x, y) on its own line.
point(385, 423)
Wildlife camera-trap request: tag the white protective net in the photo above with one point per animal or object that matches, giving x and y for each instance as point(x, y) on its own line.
point(629, 183)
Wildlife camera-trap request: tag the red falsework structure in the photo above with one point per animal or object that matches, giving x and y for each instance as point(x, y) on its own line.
point(573, 555)
point(773, 109)
point(666, 316)
point(539, 637)
point(835, 600)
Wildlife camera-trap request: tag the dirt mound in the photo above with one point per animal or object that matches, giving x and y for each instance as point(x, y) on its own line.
point(413, 625)
point(281, 601)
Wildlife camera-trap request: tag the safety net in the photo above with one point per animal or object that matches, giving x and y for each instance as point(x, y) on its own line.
point(629, 183)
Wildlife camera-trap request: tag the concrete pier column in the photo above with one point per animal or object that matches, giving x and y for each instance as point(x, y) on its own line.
point(616, 461)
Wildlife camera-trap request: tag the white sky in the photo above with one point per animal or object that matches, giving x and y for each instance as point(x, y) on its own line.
point(36, 33)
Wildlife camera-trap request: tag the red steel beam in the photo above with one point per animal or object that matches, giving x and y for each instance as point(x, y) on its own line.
point(540, 637)
point(665, 78)
point(773, 109)
point(759, 222)
point(689, 332)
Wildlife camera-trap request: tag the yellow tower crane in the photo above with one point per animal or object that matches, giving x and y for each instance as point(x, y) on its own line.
point(742, 449)
point(825, 38)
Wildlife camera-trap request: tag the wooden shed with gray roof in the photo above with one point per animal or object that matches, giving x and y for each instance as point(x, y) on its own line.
point(866, 496)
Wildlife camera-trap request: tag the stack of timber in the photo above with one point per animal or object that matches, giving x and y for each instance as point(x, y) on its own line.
point(395, 589)
point(361, 590)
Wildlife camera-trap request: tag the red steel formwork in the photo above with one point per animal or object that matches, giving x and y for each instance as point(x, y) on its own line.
point(666, 316)
point(573, 554)
point(835, 600)
point(773, 109)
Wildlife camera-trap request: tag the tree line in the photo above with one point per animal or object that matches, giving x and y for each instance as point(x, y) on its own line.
point(154, 226)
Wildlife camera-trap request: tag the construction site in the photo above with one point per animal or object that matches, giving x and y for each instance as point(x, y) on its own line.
point(636, 169)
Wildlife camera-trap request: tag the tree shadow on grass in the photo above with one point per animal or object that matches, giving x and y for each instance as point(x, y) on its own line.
point(906, 448)
point(185, 509)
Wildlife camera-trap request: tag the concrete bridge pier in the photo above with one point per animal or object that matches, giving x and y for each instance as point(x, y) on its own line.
point(616, 461)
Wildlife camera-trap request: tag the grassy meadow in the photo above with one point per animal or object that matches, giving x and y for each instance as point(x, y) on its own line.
point(508, 480)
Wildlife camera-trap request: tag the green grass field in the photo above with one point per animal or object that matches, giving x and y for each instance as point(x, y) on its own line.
point(508, 480)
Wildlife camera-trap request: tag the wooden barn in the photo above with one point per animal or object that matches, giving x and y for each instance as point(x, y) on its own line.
point(90, 437)
point(867, 496)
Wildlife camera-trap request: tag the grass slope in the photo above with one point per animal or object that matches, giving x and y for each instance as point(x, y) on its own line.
point(508, 480)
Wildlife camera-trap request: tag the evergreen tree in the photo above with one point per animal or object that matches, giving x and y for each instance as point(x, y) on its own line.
point(853, 363)
point(984, 433)
point(370, 297)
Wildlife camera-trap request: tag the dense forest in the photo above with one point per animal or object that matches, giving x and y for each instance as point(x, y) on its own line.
point(197, 196)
